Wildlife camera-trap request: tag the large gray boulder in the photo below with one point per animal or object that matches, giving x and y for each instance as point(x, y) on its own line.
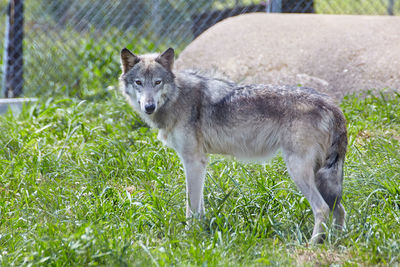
point(334, 54)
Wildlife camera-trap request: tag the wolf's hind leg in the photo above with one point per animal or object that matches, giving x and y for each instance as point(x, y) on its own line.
point(339, 214)
point(301, 170)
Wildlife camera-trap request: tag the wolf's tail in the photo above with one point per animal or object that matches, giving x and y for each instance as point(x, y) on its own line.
point(329, 178)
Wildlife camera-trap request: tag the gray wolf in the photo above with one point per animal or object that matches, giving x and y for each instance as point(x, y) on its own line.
point(198, 115)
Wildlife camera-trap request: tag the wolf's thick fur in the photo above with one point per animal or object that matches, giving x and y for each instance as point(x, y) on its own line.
point(199, 115)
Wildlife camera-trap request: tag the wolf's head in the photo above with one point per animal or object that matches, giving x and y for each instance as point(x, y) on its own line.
point(147, 80)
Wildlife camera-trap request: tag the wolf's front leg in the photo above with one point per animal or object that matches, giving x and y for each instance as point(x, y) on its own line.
point(195, 171)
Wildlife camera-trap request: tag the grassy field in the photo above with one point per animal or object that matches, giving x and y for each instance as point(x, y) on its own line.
point(87, 183)
point(359, 7)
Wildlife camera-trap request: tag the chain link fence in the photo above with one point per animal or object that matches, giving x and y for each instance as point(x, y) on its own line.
point(71, 47)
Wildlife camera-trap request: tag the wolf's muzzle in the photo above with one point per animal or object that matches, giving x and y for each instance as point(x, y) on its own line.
point(149, 108)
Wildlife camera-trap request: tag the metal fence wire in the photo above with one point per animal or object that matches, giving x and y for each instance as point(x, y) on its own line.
point(72, 46)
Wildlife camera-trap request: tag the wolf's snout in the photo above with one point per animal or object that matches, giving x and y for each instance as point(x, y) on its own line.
point(149, 108)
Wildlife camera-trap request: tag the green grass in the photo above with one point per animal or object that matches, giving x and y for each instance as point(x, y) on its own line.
point(360, 7)
point(355, 7)
point(66, 167)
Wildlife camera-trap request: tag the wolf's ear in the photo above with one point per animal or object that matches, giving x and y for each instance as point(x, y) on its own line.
point(166, 59)
point(128, 60)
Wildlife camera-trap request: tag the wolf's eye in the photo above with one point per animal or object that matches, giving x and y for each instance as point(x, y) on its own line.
point(138, 82)
point(157, 82)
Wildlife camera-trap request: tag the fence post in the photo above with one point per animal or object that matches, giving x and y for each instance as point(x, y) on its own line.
point(13, 59)
point(156, 17)
point(274, 6)
point(390, 7)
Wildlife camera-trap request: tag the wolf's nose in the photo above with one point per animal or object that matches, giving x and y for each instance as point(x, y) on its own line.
point(150, 108)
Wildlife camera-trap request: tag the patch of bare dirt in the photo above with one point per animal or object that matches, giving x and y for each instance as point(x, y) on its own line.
point(335, 54)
